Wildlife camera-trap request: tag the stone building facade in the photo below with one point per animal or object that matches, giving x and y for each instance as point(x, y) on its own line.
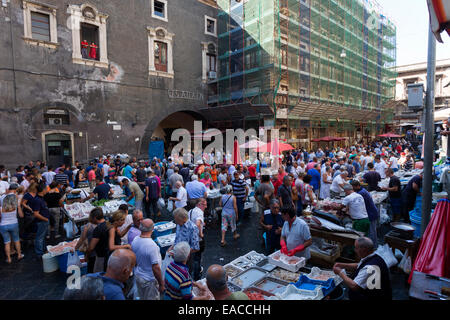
point(79, 79)
point(406, 118)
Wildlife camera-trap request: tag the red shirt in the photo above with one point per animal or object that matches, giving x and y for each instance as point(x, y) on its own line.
point(252, 171)
point(276, 184)
point(91, 175)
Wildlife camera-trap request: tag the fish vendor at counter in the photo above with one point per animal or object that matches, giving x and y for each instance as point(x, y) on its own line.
point(295, 235)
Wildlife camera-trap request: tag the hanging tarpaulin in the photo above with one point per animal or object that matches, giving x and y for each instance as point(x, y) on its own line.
point(439, 11)
point(156, 149)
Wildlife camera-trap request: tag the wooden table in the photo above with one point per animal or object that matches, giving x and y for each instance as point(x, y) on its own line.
point(341, 237)
point(420, 282)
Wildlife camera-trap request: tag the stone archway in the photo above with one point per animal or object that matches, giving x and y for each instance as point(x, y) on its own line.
point(172, 119)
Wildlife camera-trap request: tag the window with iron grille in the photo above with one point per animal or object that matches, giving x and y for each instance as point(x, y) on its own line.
point(40, 26)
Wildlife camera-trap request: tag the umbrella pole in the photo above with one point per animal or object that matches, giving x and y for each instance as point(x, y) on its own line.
point(428, 146)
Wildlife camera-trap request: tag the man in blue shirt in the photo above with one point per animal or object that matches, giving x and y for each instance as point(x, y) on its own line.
point(120, 264)
point(127, 171)
point(371, 209)
point(195, 190)
point(315, 178)
point(102, 190)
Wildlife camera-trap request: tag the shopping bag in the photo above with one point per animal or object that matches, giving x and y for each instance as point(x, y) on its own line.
point(71, 229)
point(73, 260)
point(405, 263)
point(165, 263)
point(161, 204)
point(386, 253)
point(170, 205)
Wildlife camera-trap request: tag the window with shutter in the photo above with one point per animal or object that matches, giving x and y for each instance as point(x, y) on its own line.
point(40, 26)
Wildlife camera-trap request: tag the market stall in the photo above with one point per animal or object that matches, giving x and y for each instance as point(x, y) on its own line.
point(279, 277)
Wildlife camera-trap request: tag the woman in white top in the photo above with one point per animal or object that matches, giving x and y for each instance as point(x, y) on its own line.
point(9, 224)
point(393, 163)
point(325, 184)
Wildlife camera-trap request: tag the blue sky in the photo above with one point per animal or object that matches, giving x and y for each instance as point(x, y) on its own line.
point(412, 21)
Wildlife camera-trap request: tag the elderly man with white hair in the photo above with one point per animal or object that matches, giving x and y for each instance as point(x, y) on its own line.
point(120, 266)
point(181, 198)
point(149, 280)
point(370, 279)
point(178, 281)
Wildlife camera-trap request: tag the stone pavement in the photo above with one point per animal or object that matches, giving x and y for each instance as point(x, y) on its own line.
point(26, 280)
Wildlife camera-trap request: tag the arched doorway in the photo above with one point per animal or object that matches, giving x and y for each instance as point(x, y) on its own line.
point(163, 129)
point(58, 147)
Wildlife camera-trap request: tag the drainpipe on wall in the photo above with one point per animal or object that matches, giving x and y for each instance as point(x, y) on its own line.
point(87, 147)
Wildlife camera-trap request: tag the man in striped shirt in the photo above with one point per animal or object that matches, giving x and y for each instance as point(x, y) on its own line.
point(178, 282)
point(240, 191)
point(61, 177)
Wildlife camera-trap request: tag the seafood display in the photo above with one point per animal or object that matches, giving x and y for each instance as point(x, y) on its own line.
point(254, 257)
point(242, 263)
point(232, 271)
point(293, 263)
point(62, 247)
point(112, 206)
point(323, 275)
point(379, 197)
point(79, 210)
point(257, 294)
point(285, 275)
point(165, 226)
point(166, 241)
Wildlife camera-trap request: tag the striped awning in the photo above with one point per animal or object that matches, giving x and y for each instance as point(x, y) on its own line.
point(439, 17)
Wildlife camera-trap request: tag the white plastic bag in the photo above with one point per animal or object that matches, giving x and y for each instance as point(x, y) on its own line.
point(165, 263)
point(71, 229)
point(386, 253)
point(161, 204)
point(73, 260)
point(170, 206)
point(405, 264)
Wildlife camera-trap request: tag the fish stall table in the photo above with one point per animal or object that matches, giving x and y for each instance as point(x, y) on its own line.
point(422, 282)
point(341, 237)
point(267, 279)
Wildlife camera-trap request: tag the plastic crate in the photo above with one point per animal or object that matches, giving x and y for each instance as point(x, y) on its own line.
point(62, 262)
point(305, 283)
point(157, 233)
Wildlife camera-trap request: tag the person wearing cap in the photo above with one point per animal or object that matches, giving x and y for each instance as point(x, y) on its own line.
point(9, 224)
point(355, 207)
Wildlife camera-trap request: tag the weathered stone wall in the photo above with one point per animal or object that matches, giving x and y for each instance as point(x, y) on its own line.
point(33, 78)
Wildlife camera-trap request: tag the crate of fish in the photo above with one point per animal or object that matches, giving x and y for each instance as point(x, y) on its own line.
point(254, 257)
point(324, 275)
point(163, 228)
point(292, 263)
point(232, 271)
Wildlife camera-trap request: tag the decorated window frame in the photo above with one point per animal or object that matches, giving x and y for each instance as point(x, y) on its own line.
point(32, 6)
point(88, 14)
point(161, 35)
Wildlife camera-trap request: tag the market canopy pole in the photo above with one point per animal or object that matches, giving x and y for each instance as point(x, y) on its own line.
point(429, 132)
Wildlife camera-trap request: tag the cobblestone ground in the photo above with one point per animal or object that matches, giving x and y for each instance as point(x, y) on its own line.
point(26, 279)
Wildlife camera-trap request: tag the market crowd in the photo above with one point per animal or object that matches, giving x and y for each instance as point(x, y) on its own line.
point(124, 262)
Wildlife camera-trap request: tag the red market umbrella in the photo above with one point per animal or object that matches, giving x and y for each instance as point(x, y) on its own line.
point(390, 135)
point(439, 11)
point(328, 139)
point(253, 144)
point(275, 147)
point(434, 251)
point(236, 153)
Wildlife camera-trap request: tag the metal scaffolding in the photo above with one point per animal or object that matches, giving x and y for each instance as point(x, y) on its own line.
point(320, 60)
